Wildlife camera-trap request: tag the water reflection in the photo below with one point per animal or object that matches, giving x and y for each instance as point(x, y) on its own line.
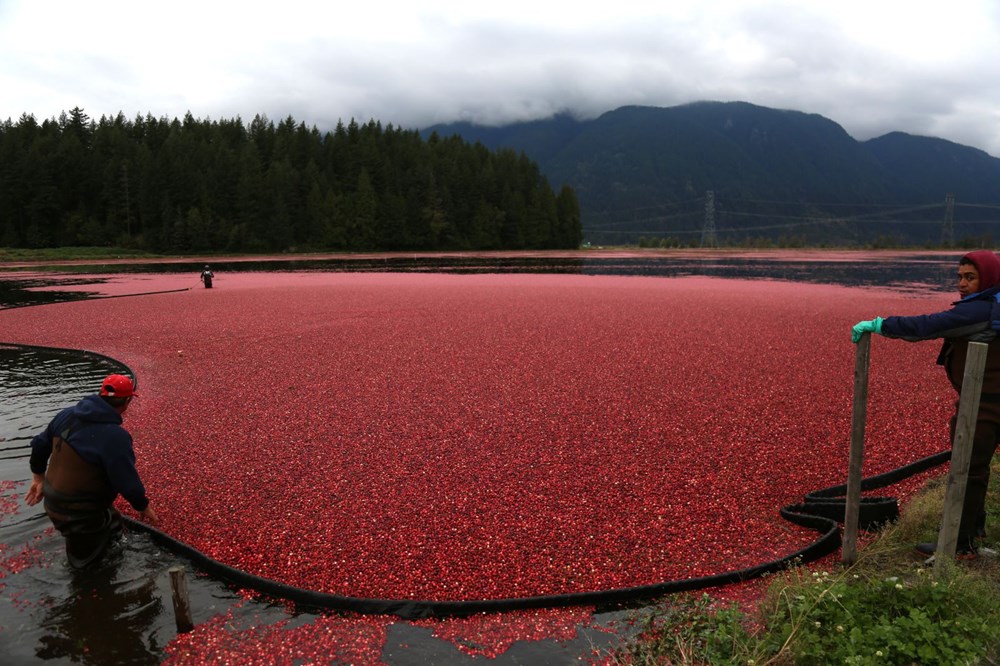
point(35, 383)
point(924, 272)
point(102, 616)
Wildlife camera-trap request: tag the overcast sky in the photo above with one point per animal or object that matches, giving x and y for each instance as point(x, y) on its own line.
point(873, 66)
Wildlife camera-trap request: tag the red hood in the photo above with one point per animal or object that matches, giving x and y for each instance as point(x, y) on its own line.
point(988, 265)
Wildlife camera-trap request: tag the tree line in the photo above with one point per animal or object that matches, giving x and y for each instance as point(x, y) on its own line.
point(191, 185)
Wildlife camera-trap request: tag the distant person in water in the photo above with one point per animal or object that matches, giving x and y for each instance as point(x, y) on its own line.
point(80, 463)
point(206, 277)
point(970, 319)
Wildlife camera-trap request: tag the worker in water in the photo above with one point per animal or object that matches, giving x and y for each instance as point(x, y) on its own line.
point(970, 319)
point(206, 277)
point(80, 463)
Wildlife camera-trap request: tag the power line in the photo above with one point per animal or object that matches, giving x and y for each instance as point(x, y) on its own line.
point(879, 214)
point(970, 205)
point(948, 229)
point(823, 204)
point(673, 204)
point(803, 222)
point(631, 211)
point(660, 218)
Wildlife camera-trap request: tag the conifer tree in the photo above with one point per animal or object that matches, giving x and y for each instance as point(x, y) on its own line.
point(175, 185)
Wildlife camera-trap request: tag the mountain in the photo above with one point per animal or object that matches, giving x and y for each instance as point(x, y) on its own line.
point(773, 173)
point(925, 164)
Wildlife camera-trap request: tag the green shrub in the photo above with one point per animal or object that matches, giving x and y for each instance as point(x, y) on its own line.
point(819, 618)
point(851, 619)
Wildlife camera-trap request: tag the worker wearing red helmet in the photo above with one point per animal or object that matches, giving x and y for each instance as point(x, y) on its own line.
point(80, 463)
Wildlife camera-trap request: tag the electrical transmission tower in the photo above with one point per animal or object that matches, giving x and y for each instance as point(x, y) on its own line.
point(948, 230)
point(708, 238)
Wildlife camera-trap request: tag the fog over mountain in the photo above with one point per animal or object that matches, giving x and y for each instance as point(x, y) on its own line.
point(873, 67)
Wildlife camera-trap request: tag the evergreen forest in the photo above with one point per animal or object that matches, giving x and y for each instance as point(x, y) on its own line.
point(175, 186)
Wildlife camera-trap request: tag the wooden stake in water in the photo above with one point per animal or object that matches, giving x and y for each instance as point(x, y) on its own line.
point(182, 605)
point(961, 453)
point(862, 352)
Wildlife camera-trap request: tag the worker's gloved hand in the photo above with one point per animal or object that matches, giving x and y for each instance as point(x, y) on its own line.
point(866, 326)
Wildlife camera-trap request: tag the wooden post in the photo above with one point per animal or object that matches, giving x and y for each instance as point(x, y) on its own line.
point(849, 551)
point(961, 454)
point(182, 605)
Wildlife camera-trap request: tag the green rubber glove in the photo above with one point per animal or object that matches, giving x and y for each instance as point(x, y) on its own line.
point(867, 326)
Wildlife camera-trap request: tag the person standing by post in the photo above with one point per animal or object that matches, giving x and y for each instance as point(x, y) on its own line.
point(970, 319)
point(80, 463)
point(206, 277)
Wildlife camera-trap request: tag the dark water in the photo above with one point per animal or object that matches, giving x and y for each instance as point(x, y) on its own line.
point(48, 614)
point(931, 271)
point(123, 614)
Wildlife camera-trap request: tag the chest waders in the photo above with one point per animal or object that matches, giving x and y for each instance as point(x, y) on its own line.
point(78, 501)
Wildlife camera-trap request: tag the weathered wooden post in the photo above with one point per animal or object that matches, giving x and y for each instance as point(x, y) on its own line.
point(961, 454)
point(852, 511)
point(182, 605)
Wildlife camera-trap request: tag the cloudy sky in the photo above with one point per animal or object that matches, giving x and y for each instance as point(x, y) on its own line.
point(873, 66)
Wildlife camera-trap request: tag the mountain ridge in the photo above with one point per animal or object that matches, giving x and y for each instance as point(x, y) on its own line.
point(637, 158)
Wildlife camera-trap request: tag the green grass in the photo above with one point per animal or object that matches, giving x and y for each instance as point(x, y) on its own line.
point(890, 607)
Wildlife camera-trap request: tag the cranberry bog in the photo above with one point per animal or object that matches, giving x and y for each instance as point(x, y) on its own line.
point(479, 437)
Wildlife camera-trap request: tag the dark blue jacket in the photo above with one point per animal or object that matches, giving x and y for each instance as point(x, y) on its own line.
point(97, 436)
point(976, 317)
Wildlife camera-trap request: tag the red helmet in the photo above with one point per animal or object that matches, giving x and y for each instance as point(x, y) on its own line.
point(117, 386)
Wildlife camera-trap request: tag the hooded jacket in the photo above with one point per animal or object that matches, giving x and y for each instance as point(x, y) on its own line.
point(975, 318)
point(100, 463)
